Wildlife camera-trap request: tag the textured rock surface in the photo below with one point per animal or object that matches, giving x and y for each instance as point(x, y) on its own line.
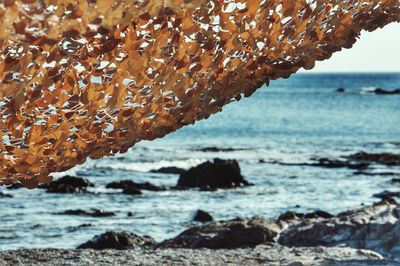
point(236, 233)
point(68, 184)
point(213, 175)
point(275, 255)
point(375, 228)
point(115, 240)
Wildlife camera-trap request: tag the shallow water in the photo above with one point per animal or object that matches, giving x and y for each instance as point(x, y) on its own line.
point(291, 121)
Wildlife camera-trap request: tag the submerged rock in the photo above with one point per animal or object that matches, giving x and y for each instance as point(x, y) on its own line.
point(387, 195)
point(91, 213)
point(5, 195)
point(129, 185)
point(376, 228)
point(341, 90)
point(378, 158)
point(236, 233)
point(202, 216)
point(169, 170)
point(115, 240)
point(212, 175)
point(380, 91)
point(68, 184)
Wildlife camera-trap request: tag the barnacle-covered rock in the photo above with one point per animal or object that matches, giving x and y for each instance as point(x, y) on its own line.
point(83, 79)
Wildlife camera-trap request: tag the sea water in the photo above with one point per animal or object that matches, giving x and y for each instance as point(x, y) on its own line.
point(271, 134)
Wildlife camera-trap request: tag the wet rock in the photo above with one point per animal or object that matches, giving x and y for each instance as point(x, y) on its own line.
point(212, 175)
point(5, 195)
point(378, 158)
point(131, 191)
point(380, 91)
point(16, 185)
point(341, 90)
point(236, 233)
point(169, 170)
point(333, 163)
point(115, 240)
point(91, 213)
point(130, 185)
point(395, 180)
point(217, 149)
point(202, 216)
point(289, 215)
point(318, 214)
point(68, 184)
point(387, 195)
point(376, 228)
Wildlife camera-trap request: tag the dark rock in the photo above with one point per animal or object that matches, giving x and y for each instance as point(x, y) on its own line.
point(212, 175)
point(332, 163)
point(68, 184)
point(341, 90)
point(4, 195)
point(387, 195)
point(129, 214)
point(376, 228)
point(289, 215)
point(131, 191)
point(380, 91)
point(129, 184)
point(379, 158)
point(16, 185)
point(395, 180)
point(115, 240)
point(225, 235)
point(217, 149)
point(169, 170)
point(318, 214)
point(202, 216)
point(92, 213)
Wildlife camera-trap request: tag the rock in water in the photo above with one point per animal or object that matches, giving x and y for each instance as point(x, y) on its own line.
point(115, 240)
point(68, 184)
point(91, 213)
point(225, 235)
point(131, 191)
point(212, 175)
point(202, 216)
point(129, 184)
point(376, 228)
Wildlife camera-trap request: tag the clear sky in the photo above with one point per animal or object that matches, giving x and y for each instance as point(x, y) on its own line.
point(377, 51)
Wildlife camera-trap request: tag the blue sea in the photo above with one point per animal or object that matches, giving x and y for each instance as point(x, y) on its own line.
point(289, 122)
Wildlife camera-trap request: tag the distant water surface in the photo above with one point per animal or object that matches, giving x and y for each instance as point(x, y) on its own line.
point(291, 121)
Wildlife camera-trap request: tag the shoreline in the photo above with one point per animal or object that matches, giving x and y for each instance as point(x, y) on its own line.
point(261, 255)
point(365, 236)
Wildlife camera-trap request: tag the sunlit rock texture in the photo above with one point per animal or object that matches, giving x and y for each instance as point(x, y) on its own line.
point(91, 78)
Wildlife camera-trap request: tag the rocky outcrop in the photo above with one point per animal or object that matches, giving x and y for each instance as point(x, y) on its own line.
point(213, 175)
point(68, 184)
point(238, 233)
point(129, 185)
point(91, 213)
point(380, 91)
point(202, 216)
point(115, 240)
point(376, 228)
point(390, 159)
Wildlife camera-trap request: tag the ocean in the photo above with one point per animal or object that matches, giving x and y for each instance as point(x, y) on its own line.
point(271, 134)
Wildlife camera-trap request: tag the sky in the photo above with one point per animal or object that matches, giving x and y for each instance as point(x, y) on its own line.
point(377, 51)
